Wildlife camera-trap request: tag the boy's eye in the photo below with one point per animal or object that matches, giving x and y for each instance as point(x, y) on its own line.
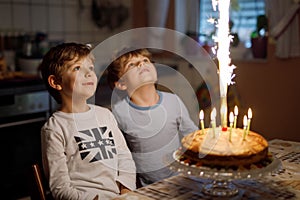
point(92, 68)
point(146, 60)
point(76, 68)
point(131, 65)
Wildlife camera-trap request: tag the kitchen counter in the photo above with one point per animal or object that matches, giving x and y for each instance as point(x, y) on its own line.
point(22, 96)
point(21, 84)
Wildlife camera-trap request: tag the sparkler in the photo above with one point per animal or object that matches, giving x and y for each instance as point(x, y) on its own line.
point(223, 40)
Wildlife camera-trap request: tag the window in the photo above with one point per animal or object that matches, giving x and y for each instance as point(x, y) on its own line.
point(243, 16)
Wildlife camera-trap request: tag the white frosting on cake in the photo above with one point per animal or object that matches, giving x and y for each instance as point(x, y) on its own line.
point(219, 143)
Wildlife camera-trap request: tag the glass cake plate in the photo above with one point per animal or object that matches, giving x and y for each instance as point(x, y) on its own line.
point(221, 178)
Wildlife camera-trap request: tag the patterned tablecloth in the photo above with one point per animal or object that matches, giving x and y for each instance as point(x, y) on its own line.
point(284, 184)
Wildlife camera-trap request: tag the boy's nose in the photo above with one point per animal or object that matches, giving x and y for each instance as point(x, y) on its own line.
point(88, 73)
point(140, 64)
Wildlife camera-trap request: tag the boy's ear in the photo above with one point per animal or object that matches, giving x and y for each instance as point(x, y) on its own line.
point(53, 83)
point(120, 85)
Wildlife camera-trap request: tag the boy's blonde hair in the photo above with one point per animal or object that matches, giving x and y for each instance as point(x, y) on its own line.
point(115, 69)
point(58, 59)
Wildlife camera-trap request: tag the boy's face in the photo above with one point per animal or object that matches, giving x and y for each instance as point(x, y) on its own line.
point(79, 81)
point(138, 71)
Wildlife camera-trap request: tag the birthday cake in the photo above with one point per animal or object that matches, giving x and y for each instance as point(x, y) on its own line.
point(224, 148)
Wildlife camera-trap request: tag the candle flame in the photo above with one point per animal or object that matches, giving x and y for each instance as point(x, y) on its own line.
point(201, 115)
point(245, 121)
point(236, 110)
point(231, 117)
point(213, 114)
point(249, 113)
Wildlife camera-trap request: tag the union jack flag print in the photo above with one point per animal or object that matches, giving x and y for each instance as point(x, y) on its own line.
point(95, 139)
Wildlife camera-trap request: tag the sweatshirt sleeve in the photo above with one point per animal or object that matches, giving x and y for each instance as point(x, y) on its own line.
point(126, 165)
point(186, 124)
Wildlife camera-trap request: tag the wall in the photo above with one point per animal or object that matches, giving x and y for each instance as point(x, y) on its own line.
point(270, 87)
point(139, 14)
point(68, 20)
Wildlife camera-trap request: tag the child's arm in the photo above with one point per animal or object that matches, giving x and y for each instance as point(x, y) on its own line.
point(126, 165)
point(186, 124)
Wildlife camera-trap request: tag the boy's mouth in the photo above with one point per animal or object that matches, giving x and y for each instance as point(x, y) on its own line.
point(144, 70)
point(88, 83)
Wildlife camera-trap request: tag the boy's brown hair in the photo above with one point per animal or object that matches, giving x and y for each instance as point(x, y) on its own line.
point(58, 59)
point(115, 69)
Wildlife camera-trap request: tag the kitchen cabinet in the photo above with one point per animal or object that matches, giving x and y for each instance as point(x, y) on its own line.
point(24, 107)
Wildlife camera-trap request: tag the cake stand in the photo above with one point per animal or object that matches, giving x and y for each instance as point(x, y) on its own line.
point(220, 178)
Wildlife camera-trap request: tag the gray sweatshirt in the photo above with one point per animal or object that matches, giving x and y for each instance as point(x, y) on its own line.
point(152, 133)
point(85, 154)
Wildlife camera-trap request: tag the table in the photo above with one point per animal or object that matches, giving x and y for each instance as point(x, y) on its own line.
point(284, 184)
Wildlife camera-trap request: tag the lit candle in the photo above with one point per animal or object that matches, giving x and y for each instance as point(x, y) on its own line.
point(213, 120)
point(201, 117)
point(231, 118)
point(245, 126)
point(236, 112)
point(249, 119)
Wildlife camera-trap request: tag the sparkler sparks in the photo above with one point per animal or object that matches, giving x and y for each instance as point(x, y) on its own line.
point(223, 40)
